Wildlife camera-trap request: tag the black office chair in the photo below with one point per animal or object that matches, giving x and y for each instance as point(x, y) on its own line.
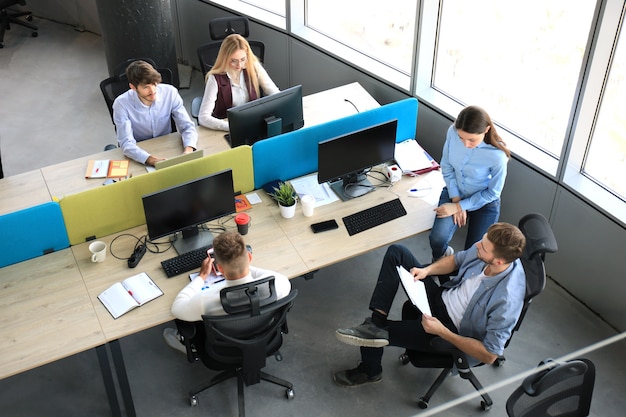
point(7, 17)
point(219, 28)
point(120, 69)
point(539, 241)
point(239, 342)
point(561, 390)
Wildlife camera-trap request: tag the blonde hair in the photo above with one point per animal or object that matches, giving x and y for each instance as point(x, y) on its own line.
point(230, 45)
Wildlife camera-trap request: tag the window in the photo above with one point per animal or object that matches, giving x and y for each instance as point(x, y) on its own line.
point(272, 12)
point(521, 62)
point(606, 158)
point(385, 33)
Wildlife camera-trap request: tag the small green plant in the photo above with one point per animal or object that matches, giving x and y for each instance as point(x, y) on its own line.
point(284, 194)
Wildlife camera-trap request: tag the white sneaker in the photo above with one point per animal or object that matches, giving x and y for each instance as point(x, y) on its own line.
point(173, 339)
point(449, 251)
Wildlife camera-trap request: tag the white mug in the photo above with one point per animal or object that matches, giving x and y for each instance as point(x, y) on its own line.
point(308, 205)
point(98, 251)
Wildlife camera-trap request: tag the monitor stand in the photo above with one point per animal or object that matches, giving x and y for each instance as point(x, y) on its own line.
point(191, 240)
point(273, 126)
point(352, 186)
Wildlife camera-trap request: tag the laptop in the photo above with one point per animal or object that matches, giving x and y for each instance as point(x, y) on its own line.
point(179, 159)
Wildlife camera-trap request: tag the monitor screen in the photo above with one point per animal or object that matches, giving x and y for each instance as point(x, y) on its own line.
point(344, 159)
point(266, 117)
point(185, 206)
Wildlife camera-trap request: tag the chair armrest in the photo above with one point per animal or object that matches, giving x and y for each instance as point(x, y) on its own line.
point(195, 106)
point(188, 331)
point(459, 357)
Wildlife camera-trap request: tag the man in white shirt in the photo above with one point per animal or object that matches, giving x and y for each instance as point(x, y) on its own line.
point(145, 112)
point(233, 261)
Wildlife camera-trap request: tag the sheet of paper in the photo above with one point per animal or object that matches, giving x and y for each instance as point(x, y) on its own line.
point(308, 185)
point(410, 156)
point(415, 290)
point(254, 198)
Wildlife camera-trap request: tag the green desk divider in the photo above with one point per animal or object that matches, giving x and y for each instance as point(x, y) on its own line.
point(116, 207)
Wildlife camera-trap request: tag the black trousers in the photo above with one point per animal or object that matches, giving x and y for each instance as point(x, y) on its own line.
point(408, 332)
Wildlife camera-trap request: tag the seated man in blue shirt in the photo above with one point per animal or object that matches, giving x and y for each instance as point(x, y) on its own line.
point(144, 112)
point(476, 311)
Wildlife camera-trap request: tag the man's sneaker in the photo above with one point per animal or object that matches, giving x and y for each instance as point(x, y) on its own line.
point(355, 377)
point(449, 251)
point(366, 334)
point(174, 340)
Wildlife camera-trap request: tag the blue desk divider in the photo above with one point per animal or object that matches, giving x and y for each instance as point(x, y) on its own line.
point(294, 154)
point(32, 232)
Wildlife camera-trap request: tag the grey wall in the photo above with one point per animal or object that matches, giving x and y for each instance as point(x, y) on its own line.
point(592, 248)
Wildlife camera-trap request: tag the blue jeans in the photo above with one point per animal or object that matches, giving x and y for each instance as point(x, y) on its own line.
point(478, 221)
point(408, 332)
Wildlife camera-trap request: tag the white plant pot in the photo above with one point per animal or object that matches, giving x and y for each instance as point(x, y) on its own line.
point(288, 211)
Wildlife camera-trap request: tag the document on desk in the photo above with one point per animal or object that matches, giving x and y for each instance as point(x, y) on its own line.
point(415, 290)
point(308, 185)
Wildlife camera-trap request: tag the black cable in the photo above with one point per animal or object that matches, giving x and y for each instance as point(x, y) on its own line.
point(353, 105)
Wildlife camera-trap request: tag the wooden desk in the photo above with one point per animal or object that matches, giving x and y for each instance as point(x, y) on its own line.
point(21, 191)
point(45, 313)
point(69, 177)
point(326, 248)
point(270, 247)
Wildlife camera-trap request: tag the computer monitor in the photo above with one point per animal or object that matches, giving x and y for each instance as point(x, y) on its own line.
point(343, 160)
point(183, 207)
point(266, 117)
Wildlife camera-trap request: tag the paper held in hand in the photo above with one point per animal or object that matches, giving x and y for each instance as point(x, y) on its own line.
point(415, 289)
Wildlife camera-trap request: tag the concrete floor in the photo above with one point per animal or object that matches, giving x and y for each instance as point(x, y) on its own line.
point(53, 111)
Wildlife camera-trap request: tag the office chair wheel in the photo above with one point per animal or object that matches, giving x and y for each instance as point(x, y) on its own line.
point(34, 34)
point(278, 356)
point(422, 403)
point(289, 393)
point(484, 406)
point(29, 17)
point(404, 359)
point(193, 400)
point(500, 361)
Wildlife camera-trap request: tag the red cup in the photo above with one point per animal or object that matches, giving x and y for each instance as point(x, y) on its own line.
point(243, 221)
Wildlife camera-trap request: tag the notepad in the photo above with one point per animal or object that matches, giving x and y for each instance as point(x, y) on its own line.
point(412, 158)
point(133, 292)
point(107, 168)
point(415, 290)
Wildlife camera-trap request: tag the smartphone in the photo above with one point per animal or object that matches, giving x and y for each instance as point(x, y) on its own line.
point(323, 226)
point(212, 255)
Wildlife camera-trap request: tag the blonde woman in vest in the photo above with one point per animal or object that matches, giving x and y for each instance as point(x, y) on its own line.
point(236, 78)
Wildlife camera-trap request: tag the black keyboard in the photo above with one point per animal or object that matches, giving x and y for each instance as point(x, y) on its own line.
point(185, 262)
point(374, 216)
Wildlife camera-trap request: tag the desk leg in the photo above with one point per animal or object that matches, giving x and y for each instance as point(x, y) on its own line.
point(122, 378)
point(109, 384)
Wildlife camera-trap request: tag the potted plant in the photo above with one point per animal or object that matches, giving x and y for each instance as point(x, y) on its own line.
point(286, 197)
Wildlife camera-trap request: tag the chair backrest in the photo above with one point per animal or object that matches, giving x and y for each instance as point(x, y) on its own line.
point(562, 390)
point(540, 240)
point(221, 27)
point(120, 69)
point(243, 340)
point(207, 53)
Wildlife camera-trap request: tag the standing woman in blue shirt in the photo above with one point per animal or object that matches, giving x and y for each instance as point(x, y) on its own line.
point(473, 164)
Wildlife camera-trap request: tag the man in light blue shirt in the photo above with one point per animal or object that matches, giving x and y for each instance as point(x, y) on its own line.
point(145, 112)
point(476, 311)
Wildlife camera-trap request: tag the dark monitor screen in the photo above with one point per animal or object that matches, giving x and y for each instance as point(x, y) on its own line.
point(185, 206)
point(344, 159)
point(265, 117)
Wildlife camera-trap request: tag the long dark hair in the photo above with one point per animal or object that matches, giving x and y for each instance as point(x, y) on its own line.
point(475, 120)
